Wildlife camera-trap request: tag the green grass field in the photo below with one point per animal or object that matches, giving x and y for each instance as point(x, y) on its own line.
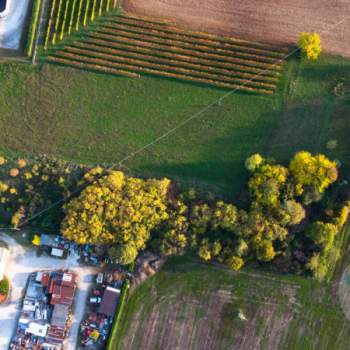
point(92, 118)
point(190, 305)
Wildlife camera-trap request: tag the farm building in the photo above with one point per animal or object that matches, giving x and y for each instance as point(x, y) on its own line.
point(4, 254)
point(62, 288)
point(109, 301)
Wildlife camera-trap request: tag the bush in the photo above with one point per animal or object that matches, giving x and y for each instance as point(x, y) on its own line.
point(310, 45)
point(4, 286)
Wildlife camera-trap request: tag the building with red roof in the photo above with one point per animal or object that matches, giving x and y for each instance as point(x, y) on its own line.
point(62, 288)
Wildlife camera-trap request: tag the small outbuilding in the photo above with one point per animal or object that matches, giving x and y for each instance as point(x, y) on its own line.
point(110, 301)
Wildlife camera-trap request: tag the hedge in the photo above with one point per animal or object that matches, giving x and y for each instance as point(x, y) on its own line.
point(118, 315)
point(33, 27)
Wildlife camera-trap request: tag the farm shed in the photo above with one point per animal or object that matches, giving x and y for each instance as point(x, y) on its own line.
point(109, 301)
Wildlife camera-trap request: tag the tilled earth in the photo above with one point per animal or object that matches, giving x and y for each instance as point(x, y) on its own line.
point(271, 21)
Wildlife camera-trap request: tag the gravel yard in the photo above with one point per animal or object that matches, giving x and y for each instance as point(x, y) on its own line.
point(22, 262)
point(272, 21)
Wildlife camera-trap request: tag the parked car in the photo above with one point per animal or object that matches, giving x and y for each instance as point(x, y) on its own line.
point(95, 300)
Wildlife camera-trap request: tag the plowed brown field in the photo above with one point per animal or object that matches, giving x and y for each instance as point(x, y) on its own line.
point(271, 21)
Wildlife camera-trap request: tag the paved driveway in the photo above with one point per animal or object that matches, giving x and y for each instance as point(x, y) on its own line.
point(22, 262)
point(12, 22)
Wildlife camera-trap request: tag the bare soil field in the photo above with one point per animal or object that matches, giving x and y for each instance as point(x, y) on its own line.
point(191, 306)
point(270, 21)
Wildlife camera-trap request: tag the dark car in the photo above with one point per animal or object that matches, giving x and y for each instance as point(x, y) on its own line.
point(2, 5)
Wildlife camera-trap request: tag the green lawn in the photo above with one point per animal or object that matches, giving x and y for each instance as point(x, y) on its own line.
point(93, 118)
point(188, 301)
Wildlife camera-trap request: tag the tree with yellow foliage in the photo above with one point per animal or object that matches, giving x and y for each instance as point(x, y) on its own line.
point(117, 210)
point(316, 172)
point(266, 183)
point(310, 45)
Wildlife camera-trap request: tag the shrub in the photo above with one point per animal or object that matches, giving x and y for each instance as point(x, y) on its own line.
point(310, 45)
point(4, 286)
point(253, 162)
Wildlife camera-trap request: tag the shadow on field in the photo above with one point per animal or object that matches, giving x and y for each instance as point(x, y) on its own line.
point(318, 71)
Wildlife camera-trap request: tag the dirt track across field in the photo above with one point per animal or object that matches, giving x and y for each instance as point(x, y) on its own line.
point(270, 21)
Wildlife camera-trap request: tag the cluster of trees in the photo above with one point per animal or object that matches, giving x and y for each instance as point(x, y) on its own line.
point(28, 186)
point(285, 223)
point(280, 224)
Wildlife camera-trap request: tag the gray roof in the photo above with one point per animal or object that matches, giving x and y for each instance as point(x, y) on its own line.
point(60, 315)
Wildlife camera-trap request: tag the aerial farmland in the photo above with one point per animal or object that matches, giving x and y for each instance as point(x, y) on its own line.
point(174, 175)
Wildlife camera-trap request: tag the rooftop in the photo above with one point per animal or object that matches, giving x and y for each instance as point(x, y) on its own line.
point(109, 301)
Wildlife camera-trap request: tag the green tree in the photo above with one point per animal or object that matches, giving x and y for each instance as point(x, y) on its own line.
point(322, 234)
point(266, 184)
point(295, 211)
point(224, 216)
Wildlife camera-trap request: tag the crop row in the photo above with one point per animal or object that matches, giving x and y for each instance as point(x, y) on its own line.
point(161, 37)
point(178, 34)
point(140, 40)
point(65, 15)
point(97, 67)
point(225, 39)
point(224, 73)
point(145, 66)
point(151, 50)
point(266, 69)
point(66, 57)
point(164, 44)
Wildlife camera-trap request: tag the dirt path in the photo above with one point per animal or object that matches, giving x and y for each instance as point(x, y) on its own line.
point(22, 262)
point(272, 21)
